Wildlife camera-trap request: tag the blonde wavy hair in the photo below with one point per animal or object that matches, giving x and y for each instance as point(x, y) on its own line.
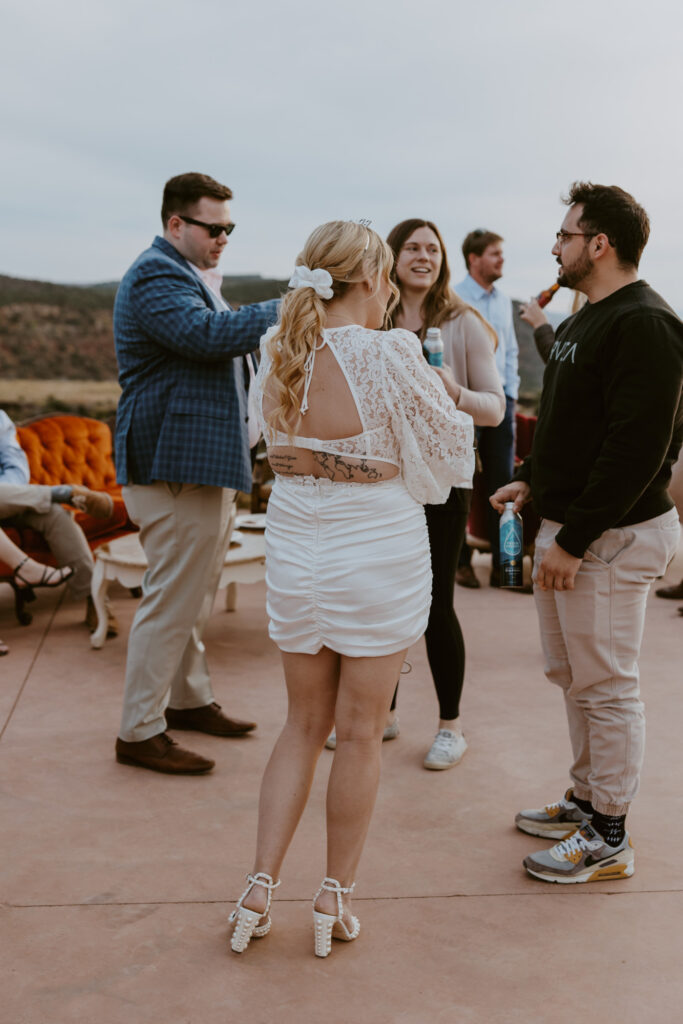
point(350, 252)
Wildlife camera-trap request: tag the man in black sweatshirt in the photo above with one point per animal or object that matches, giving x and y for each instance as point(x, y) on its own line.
point(609, 430)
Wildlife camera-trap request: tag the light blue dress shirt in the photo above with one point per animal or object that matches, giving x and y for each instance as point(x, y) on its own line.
point(13, 462)
point(497, 309)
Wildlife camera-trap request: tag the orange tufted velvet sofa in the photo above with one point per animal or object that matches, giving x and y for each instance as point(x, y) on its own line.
point(68, 450)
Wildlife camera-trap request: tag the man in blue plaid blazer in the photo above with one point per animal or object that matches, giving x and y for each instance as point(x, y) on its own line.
point(182, 452)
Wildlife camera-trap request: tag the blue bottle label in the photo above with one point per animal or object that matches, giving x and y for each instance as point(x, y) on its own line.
point(511, 538)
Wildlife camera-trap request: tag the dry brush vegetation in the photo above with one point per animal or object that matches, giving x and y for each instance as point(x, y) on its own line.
point(57, 345)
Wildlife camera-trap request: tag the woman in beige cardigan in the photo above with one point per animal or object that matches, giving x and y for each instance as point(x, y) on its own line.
point(427, 300)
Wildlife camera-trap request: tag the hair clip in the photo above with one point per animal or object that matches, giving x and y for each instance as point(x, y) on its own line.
point(365, 223)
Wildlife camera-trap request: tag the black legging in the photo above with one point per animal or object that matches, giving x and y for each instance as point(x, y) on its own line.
point(446, 525)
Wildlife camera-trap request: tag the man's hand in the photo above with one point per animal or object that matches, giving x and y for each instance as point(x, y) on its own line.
point(557, 569)
point(518, 491)
point(533, 314)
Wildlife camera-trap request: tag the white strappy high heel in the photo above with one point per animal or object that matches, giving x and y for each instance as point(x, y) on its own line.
point(328, 926)
point(247, 921)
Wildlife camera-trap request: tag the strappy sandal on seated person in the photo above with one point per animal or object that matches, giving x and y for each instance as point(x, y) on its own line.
point(35, 574)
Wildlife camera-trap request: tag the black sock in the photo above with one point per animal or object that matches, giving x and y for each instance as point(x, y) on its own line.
point(610, 827)
point(585, 805)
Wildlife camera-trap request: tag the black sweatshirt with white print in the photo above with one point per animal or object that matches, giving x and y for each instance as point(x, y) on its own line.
point(610, 422)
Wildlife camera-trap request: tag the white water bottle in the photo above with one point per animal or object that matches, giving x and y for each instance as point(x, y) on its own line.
point(434, 346)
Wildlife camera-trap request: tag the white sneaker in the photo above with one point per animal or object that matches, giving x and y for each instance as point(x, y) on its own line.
point(447, 749)
point(391, 731)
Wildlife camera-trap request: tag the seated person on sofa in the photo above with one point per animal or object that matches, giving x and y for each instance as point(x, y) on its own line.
point(27, 573)
point(40, 508)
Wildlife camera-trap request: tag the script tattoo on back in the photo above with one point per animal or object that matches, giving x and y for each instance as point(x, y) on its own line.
point(332, 465)
point(282, 464)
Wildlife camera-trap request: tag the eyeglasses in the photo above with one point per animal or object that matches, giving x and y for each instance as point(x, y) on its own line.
point(562, 236)
point(215, 230)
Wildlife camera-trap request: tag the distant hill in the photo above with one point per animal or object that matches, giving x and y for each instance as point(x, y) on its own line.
point(56, 341)
point(17, 291)
point(64, 332)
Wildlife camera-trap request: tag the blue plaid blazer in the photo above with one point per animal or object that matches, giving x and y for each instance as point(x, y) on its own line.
point(183, 408)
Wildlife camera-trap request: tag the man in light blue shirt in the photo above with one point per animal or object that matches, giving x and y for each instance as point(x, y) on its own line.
point(483, 252)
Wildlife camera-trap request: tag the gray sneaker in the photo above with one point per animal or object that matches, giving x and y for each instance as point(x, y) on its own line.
point(584, 857)
point(446, 751)
point(556, 821)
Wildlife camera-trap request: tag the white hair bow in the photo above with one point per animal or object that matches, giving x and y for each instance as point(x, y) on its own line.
point(319, 280)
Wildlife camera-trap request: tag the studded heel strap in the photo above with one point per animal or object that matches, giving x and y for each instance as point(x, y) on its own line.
point(247, 922)
point(327, 926)
point(332, 885)
point(260, 878)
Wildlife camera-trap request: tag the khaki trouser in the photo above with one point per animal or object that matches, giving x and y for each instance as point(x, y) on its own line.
point(591, 641)
point(184, 531)
point(31, 505)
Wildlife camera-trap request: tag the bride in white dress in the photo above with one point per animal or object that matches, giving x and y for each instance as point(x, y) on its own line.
point(360, 434)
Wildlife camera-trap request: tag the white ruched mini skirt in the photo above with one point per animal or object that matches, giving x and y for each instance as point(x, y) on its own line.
point(347, 566)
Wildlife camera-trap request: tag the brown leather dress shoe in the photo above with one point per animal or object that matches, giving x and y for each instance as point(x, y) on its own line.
point(465, 577)
point(162, 754)
point(96, 503)
point(208, 719)
point(675, 592)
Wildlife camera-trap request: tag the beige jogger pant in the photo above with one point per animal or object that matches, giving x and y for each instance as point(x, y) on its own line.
point(591, 640)
point(184, 532)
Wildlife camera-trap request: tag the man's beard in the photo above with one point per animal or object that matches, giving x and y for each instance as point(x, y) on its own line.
point(576, 272)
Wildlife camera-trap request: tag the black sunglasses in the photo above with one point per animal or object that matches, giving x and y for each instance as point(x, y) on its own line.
point(214, 229)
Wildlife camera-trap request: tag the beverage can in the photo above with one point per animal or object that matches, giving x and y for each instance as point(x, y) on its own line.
point(511, 547)
point(434, 346)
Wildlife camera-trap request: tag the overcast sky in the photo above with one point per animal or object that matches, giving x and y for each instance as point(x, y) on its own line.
point(470, 114)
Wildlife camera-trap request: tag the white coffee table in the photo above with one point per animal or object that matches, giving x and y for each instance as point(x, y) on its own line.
point(124, 560)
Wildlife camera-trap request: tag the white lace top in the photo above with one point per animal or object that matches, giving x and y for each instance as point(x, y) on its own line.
point(408, 418)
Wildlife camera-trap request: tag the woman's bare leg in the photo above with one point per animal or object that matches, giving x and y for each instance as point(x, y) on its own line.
point(9, 552)
point(366, 686)
point(312, 681)
point(31, 571)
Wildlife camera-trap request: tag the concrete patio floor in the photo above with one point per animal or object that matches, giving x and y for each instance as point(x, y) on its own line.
point(117, 882)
